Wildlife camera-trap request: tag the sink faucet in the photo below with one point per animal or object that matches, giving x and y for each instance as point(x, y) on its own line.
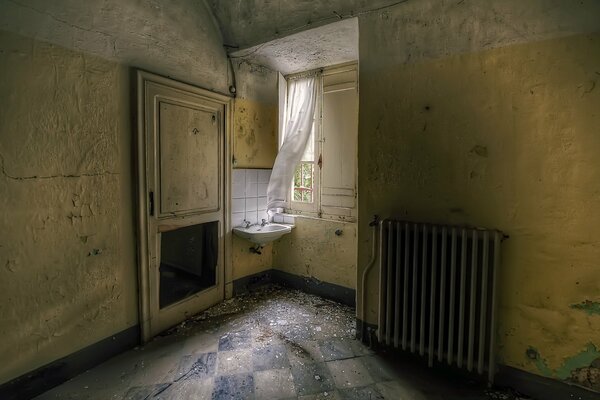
point(246, 224)
point(264, 222)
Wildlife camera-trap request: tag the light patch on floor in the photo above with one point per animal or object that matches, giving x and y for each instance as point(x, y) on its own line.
point(270, 344)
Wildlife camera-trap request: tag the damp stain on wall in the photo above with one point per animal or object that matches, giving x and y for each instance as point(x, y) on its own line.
point(255, 134)
point(511, 144)
point(588, 306)
point(582, 368)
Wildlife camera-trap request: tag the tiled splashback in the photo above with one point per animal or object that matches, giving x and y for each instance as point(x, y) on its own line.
point(249, 195)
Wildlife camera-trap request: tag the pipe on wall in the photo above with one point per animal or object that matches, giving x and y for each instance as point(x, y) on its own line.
point(373, 224)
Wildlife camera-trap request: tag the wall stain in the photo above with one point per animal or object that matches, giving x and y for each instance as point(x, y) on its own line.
point(95, 252)
point(588, 306)
point(580, 360)
point(479, 150)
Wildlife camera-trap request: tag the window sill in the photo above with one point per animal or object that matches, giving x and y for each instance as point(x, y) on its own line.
point(289, 217)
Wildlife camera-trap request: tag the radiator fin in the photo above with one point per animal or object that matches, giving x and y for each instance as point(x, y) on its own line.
point(437, 292)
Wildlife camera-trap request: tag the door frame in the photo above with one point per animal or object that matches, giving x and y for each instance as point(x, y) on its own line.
point(144, 293)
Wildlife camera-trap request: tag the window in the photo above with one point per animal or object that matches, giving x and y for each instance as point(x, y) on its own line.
point(324, 182)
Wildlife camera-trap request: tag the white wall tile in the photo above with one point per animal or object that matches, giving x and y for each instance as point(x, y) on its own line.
point(237, 219)
point(248, 192)
point(264, 175)
point(238, 191)
point(252, 217)
point(238, 176)
point(251, 203)
point(251, 175)
point(238, 205)
point(251, 189)
point(262, 214)
point(262, 189)
point(261, 203)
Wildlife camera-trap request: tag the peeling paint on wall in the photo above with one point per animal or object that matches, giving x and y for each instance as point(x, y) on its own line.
point(582, 368)
point(588, 306)
point(510, 143)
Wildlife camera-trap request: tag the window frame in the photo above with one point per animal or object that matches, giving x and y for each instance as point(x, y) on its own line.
point(315, 209)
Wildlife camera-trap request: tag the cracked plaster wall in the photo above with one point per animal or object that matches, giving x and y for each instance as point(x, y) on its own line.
point(67, 249)
point(68, 273)
point(487, 115)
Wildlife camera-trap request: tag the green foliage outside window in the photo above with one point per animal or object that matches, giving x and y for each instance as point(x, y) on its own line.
point(303, 182)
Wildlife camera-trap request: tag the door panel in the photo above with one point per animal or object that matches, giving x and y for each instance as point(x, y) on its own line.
point(190, 165)
point(181, 143)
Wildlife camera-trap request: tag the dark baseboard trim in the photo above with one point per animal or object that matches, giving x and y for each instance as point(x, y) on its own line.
point(540, 387)
point(314, 286)
point(251, 282)
point(535, 386)
point(365, 332)
point(53, 374)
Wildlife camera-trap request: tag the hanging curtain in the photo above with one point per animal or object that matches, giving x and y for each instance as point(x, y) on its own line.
point(298, 123)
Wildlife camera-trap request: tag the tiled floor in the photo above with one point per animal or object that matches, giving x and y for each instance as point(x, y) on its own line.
point(273, 344)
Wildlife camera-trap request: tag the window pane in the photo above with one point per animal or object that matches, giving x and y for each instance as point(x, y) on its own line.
point(303, 183)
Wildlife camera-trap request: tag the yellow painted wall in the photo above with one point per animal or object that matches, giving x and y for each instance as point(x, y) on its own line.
point(254, 133)
point(67, 246)
point(507, 138)
point(313, 250)
point(246, 263)
point(68, 272)
point(254, 146)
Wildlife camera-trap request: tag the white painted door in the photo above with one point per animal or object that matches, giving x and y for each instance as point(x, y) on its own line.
point(181, 145)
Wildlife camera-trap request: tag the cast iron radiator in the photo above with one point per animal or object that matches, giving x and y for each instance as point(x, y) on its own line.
point(437, 292)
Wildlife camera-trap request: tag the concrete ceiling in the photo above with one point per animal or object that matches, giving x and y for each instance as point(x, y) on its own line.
point(246, 23)
point(326, 45)
point(293, 35)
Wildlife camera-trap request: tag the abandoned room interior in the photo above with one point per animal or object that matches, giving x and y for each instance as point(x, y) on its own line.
point(277, 199)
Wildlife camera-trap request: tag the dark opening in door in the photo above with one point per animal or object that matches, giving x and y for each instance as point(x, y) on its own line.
point(188, 262)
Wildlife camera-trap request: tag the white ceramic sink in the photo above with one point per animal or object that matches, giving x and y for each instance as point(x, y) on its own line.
point(262, 235)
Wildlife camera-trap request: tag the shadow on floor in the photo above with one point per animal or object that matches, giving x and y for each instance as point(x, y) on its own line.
point(270, 344)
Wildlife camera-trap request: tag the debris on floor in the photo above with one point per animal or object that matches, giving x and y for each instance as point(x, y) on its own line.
point(273, 343)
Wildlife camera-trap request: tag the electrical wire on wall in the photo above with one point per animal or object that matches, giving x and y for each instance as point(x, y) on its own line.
point(233, 85)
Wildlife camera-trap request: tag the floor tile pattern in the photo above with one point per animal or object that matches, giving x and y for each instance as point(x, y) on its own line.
point(272, 344)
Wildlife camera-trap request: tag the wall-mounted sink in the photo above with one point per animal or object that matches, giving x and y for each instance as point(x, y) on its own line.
point(262, 235)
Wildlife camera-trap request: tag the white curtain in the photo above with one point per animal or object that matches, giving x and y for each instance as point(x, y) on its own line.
point(298, 123)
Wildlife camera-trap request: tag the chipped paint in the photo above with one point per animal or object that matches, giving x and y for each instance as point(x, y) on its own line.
point(539, 362)
point(580, 360)
point(588, 306)
point(529, 102)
